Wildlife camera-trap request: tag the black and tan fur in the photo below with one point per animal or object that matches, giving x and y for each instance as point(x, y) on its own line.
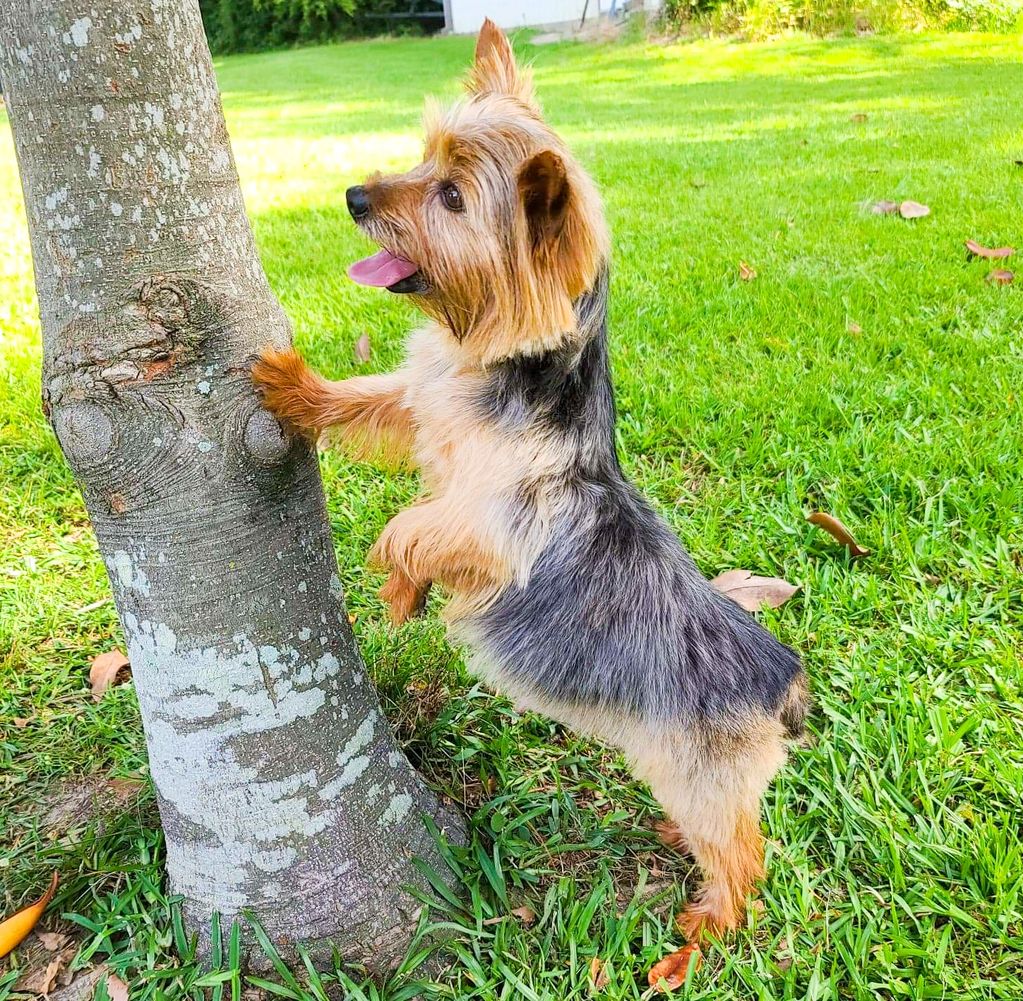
point(573, 595)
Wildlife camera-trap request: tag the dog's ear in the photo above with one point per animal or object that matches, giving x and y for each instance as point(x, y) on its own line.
point(564, 224)
point(494, 70)
point(545, 191)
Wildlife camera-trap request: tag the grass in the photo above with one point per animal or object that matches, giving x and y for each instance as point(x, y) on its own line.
point(868, 370)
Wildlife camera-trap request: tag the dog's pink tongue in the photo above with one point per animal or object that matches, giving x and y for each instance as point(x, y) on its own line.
point(381, 270)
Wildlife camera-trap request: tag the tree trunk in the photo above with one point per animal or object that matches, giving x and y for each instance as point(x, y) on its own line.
point(280, 786)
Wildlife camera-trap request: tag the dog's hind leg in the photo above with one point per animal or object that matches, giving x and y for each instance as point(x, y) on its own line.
point(711, 789)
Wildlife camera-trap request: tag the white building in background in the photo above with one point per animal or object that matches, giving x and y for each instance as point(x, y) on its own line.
point(464, 17)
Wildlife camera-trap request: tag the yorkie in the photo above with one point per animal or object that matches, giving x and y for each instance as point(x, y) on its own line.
point(572, 594)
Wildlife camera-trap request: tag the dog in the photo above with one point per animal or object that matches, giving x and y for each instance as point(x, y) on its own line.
point(572, 595)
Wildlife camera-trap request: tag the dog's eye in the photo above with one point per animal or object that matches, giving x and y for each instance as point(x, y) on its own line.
point(452, 198)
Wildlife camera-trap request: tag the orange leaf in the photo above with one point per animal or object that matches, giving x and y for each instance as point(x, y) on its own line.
point(362, 349)
point(1000, 276)
point(598, 975)
point(17, 926)
point(752, 592)
point(746, 273)
point(996, 254)
point(675, 969)
point(104, 671)
point(838, 531)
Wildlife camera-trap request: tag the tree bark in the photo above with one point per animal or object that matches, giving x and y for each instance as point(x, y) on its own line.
point(280, 786)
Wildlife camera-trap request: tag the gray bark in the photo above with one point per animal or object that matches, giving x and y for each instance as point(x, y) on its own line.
point(280, 786)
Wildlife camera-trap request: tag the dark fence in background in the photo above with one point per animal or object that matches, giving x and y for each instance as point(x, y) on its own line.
point(250, 25)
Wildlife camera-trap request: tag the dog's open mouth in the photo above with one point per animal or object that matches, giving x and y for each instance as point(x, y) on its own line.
point(386, 270)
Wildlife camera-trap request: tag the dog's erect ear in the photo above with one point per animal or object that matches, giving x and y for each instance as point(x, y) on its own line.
point(565, 227)
point(545, 191)
point(494, 70)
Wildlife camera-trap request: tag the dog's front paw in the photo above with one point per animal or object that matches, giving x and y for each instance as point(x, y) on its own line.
point(406, 598)
point(287, 387)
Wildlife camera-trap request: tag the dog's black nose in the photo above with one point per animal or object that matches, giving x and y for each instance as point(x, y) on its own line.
point(358, 202)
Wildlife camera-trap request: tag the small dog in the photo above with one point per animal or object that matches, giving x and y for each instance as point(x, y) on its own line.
point(572, 594)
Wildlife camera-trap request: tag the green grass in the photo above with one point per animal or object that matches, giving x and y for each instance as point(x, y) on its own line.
point(869, 370)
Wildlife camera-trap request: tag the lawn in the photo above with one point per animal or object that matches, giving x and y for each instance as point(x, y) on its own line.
point(867, 370)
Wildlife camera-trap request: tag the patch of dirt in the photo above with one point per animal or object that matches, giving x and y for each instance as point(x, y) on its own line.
point(79, 802)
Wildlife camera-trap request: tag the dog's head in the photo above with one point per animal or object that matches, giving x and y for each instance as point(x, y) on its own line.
point(498, 230)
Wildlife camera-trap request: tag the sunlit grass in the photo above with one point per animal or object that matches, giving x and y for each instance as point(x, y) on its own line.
point(868, 370)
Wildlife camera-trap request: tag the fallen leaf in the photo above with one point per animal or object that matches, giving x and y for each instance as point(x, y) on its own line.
point(752, 592)
point(884, 208)
point(1000, 276)
point(860, 116)
point(104, 671)
point(525, 914)
point(41, 981)
point(81, 986)
point(913, 210)
point(14, 929)
point(51, 940)
point(20, 722)
point(117, 988)
point(362, 349)
point(853, 328)
point(838, 531)
point(674, 969)
point(598, 975)
point(746, 273)
point(996, 254)
point(783, 961)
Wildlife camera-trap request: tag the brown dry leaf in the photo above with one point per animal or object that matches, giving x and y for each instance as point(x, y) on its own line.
point(15, 928)
point(860, 116)
point(117, 988)
point(884, 208)
point(746, 273)
point(1000, 276)
point(362, 349)
point(598, 975)
point(853, 327)
point(752, 592)
point(674, 969)
point(20, 722)
point(51, 940)
point(525, 914)
point(81, 986)
point(838, 531)
point(913, 210)
point(42, 980)
point(988, 253)
point(105, 669)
